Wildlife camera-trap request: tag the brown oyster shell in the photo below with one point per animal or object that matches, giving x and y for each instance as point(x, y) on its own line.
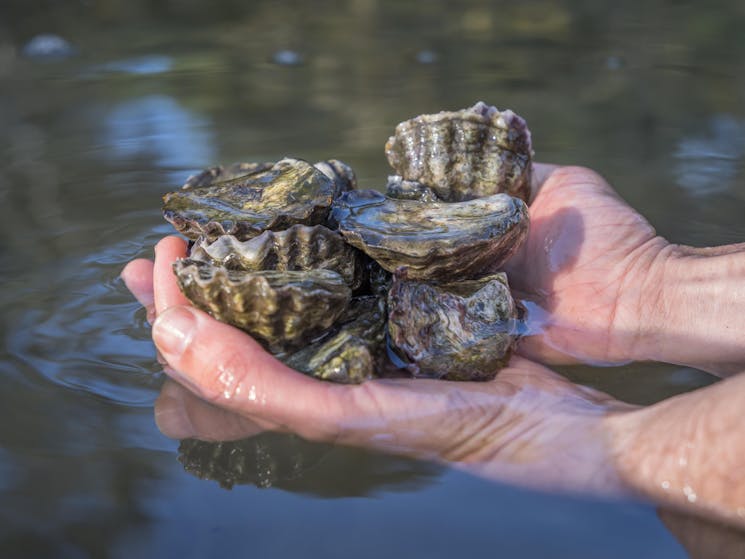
point(399, 187)
point(298, 248)
point(220, 173)
point(282, 309)
point(458, 331)
point(339, 172)
point(438, 240)
point(352, 353)
point(291, 191)
point(465, 154)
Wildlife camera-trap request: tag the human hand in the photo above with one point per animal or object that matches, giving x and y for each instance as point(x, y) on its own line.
point(586, 265)
point(609, 290)
point(528, 426)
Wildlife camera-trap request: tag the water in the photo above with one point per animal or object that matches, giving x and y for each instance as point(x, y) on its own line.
point(145, 93)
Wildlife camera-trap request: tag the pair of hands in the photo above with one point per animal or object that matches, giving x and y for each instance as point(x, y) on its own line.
point(591, 265)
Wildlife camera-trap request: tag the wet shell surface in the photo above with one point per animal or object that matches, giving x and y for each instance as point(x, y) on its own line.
point(299, 248)
point(435, 241)
point(282, 309)
point(464, 154)
point(292, 191)
point(399, 187)
point(458, 331)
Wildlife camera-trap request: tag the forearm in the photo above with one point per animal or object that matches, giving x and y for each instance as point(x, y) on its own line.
point(694, 313)
point(688, 452)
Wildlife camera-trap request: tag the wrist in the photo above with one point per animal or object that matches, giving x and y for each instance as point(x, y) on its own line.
point(692, 309)
point(686, 452)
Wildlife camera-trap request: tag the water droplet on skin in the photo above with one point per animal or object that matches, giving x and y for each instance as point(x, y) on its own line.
point(252, 393)
point(227, 379)
point(689, 493)
point(665, 485)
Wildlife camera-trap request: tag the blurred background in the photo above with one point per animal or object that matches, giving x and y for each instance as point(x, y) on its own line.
point(105, 105)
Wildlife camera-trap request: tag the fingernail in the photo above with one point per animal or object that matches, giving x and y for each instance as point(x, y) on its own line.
point(172, 331)
point(172, 419)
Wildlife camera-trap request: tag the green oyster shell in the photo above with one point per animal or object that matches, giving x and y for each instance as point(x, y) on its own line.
point(282, 309)
point(457, 331)
point(351, 354)
point(291, 191)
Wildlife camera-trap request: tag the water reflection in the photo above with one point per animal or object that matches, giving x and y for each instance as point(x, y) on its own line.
point(708, 164)
point(293, 464)
point(159, 127)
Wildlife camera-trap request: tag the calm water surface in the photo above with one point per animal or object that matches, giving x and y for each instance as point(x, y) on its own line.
point(649, 94)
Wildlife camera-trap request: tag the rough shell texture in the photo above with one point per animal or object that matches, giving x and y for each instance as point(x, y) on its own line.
point(459, 331)
point(466, 154)
point(438, 240)
point(339, 172)
point(352, 352)
point(292, 191)
point(219, 173)
point(398, 187)
point(282, 309)
point(298, 248)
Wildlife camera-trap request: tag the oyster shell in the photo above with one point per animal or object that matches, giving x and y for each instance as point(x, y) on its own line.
point(221, 173)
point(351, 354)
point(339, 172)
point(457, 331)
point(399, 187)
point(282, 309)
point(438, 240)
point(298, 248)
point(466, 154)
point(291, 191)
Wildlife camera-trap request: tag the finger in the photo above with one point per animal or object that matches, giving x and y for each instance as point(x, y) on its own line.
point(541, 172)
point(138, 277)
point(179, 414)
point(226, 367)
point(167, 293)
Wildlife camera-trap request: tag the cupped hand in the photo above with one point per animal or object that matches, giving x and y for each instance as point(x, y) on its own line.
point(529, 425)
point(586, 269)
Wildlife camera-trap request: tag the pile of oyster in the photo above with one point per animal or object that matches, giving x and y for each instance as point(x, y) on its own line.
point(346, 284)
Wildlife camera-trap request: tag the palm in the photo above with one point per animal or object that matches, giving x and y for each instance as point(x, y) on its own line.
point(582, 264)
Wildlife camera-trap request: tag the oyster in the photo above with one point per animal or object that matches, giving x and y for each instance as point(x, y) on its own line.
point(298, 248)
point(351, 355)
point(456, 331)
point(339, 172)
point(399, 187)
point(436, 241)
point(219, 173)
point(291, 191)
point(282, 309)
point(466, 154)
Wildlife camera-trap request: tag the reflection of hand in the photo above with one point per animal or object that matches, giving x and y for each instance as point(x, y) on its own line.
point(530, 424)
point(614, 291)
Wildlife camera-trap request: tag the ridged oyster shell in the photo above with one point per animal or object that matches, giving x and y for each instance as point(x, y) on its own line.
point(399, 187)
point(282, 309)
point(436, 241)
point(291, 191)
point(220, 173)
point(352, 353)
point(457, 331)
point(464, 154)
point(298, 248)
